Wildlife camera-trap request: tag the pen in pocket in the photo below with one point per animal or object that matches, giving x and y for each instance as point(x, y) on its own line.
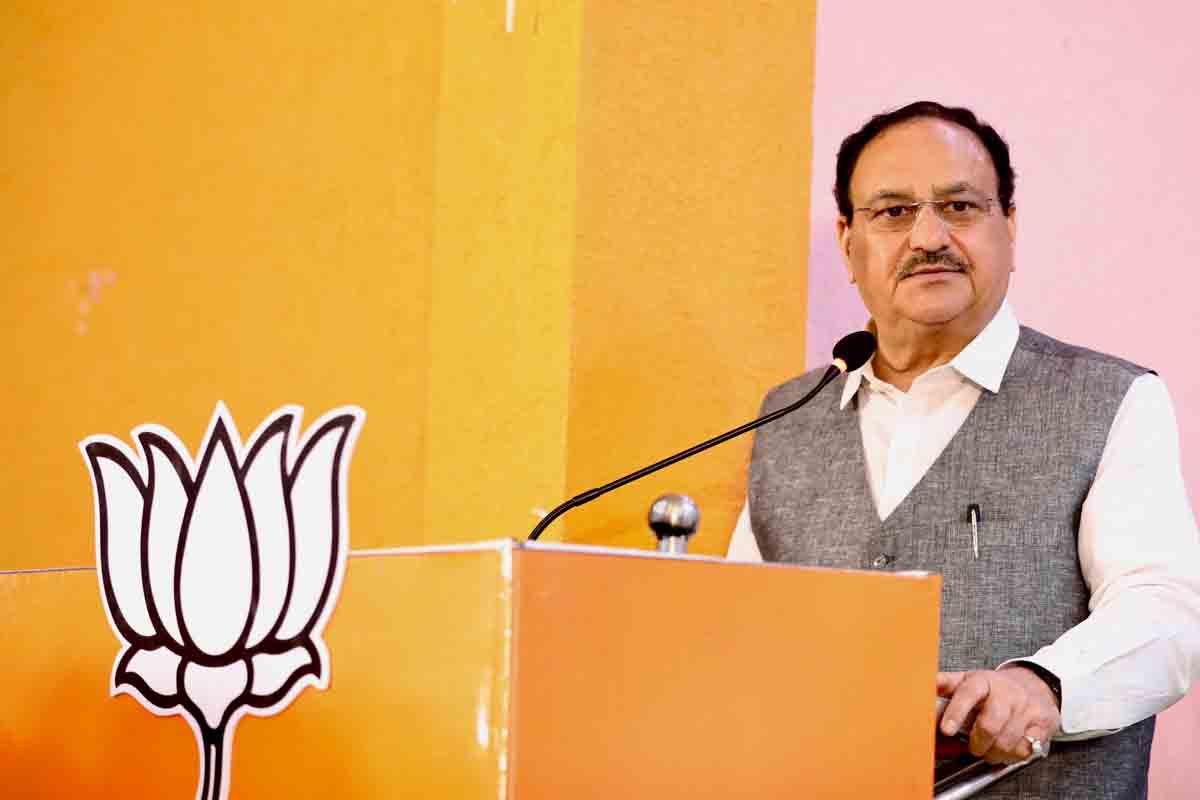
point(976, 517)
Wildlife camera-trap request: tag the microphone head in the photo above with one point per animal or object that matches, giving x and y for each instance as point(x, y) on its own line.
point(853, 350)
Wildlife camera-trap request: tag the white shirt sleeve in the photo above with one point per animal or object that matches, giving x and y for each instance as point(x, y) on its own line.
point(1139, 550)
point(743, 546)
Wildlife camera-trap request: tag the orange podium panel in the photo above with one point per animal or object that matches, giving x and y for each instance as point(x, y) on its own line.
point(511, 670)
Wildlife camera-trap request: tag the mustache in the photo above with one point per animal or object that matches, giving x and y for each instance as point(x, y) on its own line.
point(921, 259)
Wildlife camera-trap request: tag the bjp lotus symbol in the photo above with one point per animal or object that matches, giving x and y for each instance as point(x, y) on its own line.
point(219, 576)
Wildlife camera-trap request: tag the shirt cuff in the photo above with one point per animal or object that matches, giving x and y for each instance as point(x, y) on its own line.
point(1073, 707)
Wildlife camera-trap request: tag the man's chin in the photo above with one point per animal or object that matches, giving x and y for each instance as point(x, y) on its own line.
point(937, 314)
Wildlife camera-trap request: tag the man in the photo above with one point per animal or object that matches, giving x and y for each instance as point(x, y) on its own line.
point(1042, 480)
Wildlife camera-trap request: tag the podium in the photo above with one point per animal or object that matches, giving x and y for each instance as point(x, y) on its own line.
point(506, 669)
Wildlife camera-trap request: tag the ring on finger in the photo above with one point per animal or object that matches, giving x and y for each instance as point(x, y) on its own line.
point(1036, 745)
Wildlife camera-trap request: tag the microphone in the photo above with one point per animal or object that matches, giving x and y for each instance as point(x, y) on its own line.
point(850, 353)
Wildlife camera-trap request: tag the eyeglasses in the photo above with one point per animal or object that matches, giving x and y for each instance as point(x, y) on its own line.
point(900, 217)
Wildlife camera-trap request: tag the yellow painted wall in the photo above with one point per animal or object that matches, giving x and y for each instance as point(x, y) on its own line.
point(500, 304)
point(258, 181)
point(537, 257)
point(689, 286)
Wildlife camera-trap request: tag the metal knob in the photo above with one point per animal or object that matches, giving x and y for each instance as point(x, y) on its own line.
point(673, 518)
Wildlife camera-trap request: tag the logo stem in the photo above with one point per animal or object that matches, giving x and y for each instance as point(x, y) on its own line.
point(213, 779)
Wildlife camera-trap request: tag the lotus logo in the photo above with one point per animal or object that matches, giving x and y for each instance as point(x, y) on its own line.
point(218, 577)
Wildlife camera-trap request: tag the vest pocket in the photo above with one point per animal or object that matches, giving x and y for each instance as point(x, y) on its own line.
point(1003, 544)
point(1022, 592)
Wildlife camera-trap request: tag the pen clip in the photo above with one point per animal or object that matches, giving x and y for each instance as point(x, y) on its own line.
point(976, 516)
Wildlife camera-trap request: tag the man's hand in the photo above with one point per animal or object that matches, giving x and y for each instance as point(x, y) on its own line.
point(1011, 702)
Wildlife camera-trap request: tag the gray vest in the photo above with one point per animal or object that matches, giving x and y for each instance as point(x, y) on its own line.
point(1026, 456)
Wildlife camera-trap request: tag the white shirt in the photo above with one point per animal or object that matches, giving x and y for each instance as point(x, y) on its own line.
point(1139, 549)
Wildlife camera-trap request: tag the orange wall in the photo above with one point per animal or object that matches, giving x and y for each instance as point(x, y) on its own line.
point(502, 260)
point(258, 179)
point(689, 280)
point(536, 257)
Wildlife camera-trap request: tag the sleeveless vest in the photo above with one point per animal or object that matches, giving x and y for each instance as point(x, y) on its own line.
point(1027, 457)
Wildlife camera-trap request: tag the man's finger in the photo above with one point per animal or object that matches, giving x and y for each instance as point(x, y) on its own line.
point(999, 756)
point(947, 682)
point(992, 724)
point(1011, 738)
point(972, 690)
point(1038, 732)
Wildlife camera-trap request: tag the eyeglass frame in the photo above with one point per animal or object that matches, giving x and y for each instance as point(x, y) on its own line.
point(937, 206)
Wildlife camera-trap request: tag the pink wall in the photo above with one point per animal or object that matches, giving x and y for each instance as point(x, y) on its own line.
point(1100, 106)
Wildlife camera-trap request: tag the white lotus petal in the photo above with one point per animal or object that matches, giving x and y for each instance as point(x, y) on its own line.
point(315, 507)
point(217, 572)
point(272, 671)
point(167, 505)
point(159, 668)
point(264, 485)
point(213, 689)
point(122, 557)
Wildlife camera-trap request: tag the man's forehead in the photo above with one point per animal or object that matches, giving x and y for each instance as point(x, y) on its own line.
point(921, 158)
point(935, 191)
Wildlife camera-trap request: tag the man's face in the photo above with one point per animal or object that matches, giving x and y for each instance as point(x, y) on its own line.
point(936, 272)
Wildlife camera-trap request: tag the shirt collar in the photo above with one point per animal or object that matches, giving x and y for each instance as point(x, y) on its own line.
point(983, 361)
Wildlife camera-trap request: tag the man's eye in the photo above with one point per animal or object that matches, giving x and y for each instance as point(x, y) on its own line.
point(896, 212)
point(961, 206)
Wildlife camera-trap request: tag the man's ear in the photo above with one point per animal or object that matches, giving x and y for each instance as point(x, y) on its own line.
point(1012, 229)
point(843, 237)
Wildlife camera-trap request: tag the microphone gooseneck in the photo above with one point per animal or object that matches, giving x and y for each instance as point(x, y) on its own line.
point(850, 353)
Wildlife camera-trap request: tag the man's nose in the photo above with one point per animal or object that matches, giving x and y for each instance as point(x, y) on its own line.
point(928, 231)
